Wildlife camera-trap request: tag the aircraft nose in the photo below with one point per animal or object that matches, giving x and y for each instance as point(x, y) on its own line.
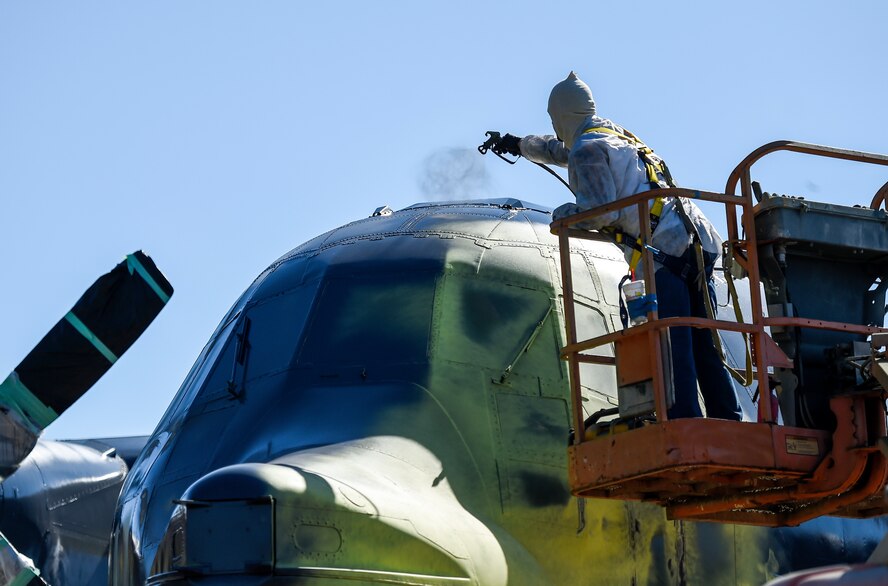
point(247, 481)
point(254, 521)
point(224, 522)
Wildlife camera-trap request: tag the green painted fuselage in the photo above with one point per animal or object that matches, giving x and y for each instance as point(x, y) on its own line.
point(386, 404)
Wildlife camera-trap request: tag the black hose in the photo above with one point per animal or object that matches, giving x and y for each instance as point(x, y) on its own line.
point(554, 174)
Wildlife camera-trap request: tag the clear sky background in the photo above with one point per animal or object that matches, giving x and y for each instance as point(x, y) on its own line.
point(218, 135)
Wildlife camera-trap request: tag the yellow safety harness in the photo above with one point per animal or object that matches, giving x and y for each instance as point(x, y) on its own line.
point(637, 244)
point(655, 168)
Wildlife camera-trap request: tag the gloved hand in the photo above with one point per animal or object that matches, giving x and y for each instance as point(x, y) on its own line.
point(564, 210)
point(509, 145)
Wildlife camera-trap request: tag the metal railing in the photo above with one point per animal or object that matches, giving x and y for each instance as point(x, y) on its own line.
point(764, 351)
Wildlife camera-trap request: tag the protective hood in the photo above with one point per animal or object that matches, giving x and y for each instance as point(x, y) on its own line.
point(570, 104)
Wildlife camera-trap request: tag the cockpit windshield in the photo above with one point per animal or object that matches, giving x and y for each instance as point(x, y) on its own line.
point(371, 319)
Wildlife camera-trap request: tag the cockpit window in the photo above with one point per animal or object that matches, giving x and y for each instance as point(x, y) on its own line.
point(489, 323)
point(276, 326)
point(382, 318)
point(197, 377)
point(260, 342)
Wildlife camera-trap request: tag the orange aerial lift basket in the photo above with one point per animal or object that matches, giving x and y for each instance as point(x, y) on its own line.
point(824, 271)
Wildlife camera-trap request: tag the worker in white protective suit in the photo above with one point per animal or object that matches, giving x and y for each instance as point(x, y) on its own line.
point(605, 163)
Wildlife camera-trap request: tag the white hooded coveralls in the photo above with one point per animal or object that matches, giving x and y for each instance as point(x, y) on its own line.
point(603, 168)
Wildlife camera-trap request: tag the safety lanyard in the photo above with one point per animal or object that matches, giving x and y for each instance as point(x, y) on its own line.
point(637, 244)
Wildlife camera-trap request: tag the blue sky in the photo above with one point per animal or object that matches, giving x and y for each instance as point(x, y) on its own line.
point(218, 135)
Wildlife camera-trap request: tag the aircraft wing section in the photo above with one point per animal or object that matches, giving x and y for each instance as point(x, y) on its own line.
point(76, 352)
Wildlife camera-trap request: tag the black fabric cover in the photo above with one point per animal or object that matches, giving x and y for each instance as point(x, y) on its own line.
point(117, 308)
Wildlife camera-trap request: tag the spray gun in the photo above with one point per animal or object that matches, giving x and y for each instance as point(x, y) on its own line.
point(494, 143)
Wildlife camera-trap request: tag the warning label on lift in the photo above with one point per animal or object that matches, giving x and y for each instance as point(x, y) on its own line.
point(802, 446)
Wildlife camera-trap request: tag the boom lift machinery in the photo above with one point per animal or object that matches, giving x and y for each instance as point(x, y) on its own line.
point(824, 271)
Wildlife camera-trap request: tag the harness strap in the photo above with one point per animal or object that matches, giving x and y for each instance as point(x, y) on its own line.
point(621, 238)
point(653, 166)
point(677, 265)
point(637, 244)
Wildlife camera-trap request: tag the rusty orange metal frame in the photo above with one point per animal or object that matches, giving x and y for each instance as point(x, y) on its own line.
point(564, 228)
point(758, 473)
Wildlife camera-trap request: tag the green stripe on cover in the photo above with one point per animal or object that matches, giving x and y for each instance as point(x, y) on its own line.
point(93, 339)
point(133, 263)
point(15, 394)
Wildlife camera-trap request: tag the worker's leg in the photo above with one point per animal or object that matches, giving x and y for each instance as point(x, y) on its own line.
point(715, 382)
point(673, 301)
